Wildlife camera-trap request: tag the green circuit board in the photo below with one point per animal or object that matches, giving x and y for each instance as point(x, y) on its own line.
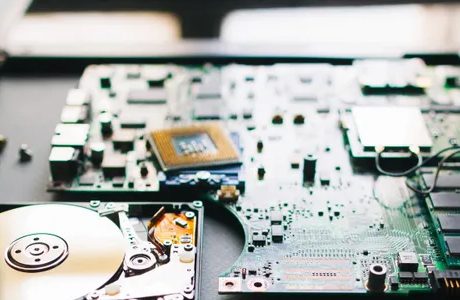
point(291, 151)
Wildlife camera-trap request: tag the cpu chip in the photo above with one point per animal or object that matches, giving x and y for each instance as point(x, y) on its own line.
point(202, 145)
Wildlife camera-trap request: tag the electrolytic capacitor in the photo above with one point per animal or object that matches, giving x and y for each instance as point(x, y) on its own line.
point(309, 168)
point(105, 121)
point(97, 153)
point(260, 146)
point(167, 244)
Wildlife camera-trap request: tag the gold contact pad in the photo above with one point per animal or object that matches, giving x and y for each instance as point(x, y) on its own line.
point(163, 140)
point(165, 228)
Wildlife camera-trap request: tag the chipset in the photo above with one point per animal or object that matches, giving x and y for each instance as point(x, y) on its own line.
point(394, 129)
point(194, 146)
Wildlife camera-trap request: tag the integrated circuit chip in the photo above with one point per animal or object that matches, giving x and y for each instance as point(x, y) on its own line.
point(194, 146)
point(446, 181)
point(391, 127)
point(449, 223)
point(150, 96)
point(407, 261)
point(453, 244)
point(445, 200)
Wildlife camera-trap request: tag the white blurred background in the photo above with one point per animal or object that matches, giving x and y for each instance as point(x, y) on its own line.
point(366, 30)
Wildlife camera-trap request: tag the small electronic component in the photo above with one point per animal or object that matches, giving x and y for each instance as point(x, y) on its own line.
point(394, 283)
point(97, 153)
point(180, 222)
point(123, 140)
point(207, 109)
point(276, 218)
point(202, 180)
point(105, 123)
point(407, 261)
point(209, 87)
point(309, 168)
point(446, 181)
point(132, 121)
point(299, 119)
point(445, 282)
point(261, 172)
point(445, 200)
point(258, 239)
point(277, 233)
point(74, 114)
point(63, 163)
point(70, 135)
point(406, 277)
point(148, 96)
point(420, 277)
point(228, 193)
point(413, 277)
point(114, 165)
point(386, 77)
point(195, 146)
point(453, 245)
point(277, 119)
point(177, 228)
point(449, 223)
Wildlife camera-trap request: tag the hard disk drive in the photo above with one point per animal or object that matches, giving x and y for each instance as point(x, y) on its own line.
point(100, 251)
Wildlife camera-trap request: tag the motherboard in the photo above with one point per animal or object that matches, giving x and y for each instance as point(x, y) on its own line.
point(345, 178)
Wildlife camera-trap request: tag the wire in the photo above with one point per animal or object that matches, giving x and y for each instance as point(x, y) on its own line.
point(436, 175)
point(411, 170)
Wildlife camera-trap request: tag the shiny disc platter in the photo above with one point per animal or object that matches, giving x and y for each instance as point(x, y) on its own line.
point(56, 251)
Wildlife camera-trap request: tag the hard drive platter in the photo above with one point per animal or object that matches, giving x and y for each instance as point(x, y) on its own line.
point(99, 251)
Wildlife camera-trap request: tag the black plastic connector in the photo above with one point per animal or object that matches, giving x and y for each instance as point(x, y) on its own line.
point(446, 282)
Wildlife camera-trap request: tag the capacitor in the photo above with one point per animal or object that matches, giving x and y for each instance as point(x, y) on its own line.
point(299, 119)
point(144, 170)
point(376, 278)
point(97, 153)
point(277, 119)
point(260, 172)
point(105, 121)
point(309, 168)
point(260, 146)
point(167, 244)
